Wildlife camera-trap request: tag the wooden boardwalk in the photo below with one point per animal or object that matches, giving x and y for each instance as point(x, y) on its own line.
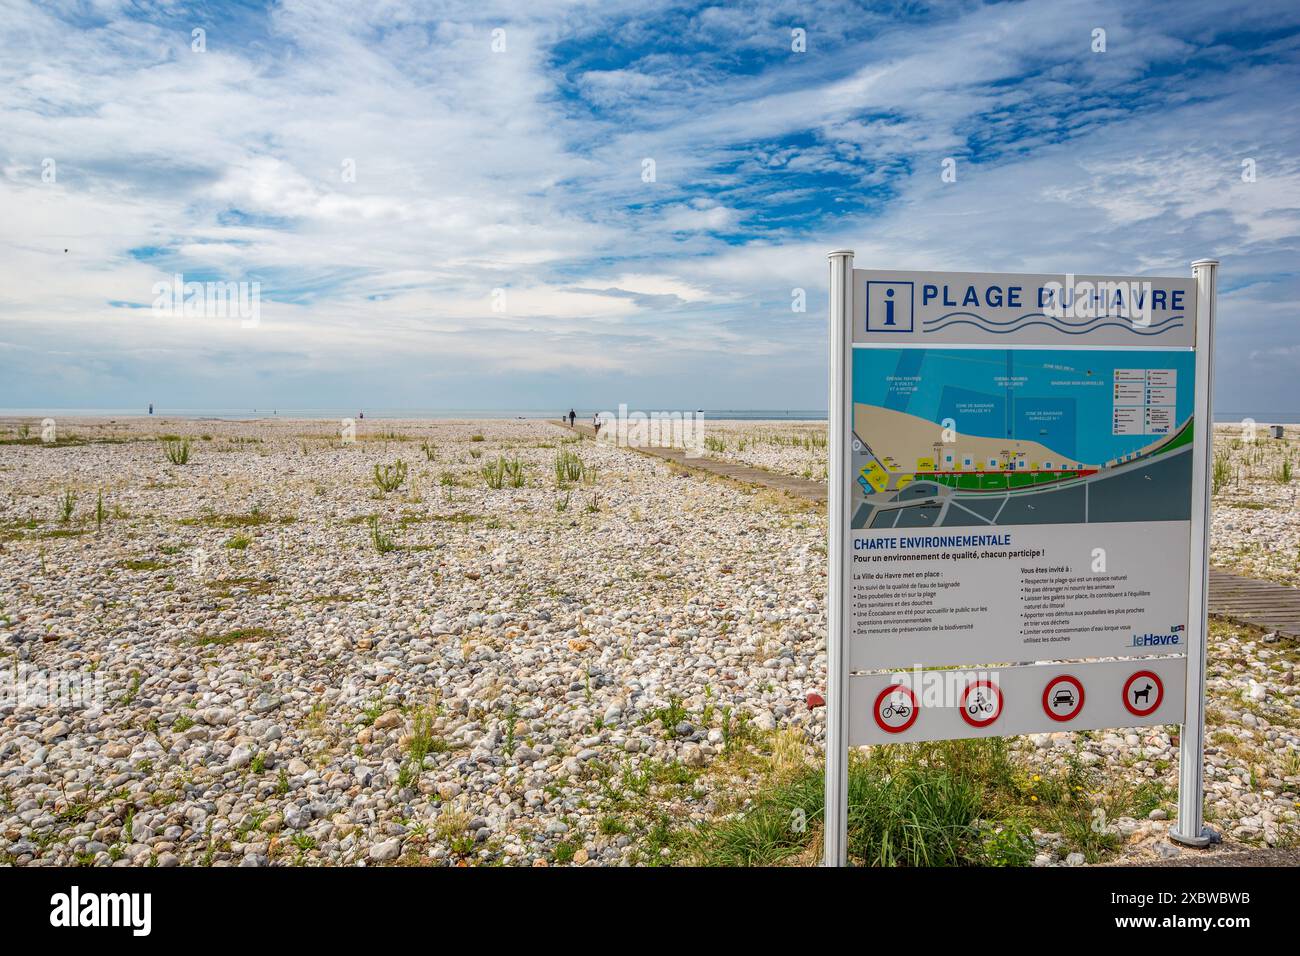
point(1273, 607)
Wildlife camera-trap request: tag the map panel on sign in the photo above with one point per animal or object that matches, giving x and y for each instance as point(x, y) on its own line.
point(954, 437)
point(987, 482)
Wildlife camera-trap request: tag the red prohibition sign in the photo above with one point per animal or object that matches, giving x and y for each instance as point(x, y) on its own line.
point(1151, 693)
point(987, 705)
point(1057, 691)
point(880, 704)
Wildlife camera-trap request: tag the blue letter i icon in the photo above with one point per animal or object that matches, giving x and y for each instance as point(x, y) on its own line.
point(889, 307)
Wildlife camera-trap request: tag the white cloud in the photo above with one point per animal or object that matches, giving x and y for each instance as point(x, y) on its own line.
point(477, 171)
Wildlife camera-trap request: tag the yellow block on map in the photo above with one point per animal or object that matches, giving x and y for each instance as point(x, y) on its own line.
point(903, 481)
point(925, 464)
point(876, 476)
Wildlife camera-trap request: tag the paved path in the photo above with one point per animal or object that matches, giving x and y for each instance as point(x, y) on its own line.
point(800, 487)
point(1273, 607)
point(1237, 856)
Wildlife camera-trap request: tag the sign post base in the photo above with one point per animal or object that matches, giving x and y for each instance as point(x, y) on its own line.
point(1199, 842)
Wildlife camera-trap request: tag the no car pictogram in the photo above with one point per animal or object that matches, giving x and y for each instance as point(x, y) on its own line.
point(1063, 697)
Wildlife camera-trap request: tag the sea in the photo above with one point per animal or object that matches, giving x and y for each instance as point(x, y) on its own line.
point(710, 414)
point(251, 414)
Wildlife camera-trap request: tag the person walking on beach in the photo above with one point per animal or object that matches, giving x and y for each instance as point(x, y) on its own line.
point(572, 417)
point(595, 422)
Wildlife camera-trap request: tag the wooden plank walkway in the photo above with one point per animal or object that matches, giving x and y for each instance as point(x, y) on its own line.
point(1273, 607)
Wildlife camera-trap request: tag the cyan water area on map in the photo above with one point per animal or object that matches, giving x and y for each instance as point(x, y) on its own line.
point(1060, 398)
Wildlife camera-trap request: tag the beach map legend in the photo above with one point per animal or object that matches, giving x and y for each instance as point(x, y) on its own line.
point(1145, 401)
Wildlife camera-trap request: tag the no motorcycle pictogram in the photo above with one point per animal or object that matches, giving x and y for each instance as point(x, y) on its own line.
point(981, 703)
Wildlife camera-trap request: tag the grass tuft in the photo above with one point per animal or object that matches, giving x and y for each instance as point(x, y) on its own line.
point(389, 478)
point(947, 803)
point(382, 542)
point(177, 450)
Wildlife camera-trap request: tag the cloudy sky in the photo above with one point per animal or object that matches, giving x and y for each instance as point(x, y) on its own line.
point(517, 161)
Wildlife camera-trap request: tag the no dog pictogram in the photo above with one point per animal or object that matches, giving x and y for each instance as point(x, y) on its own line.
point(1143, 693)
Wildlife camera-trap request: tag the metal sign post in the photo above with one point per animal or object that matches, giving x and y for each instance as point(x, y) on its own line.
point(1019, 471)
point(835, 820)
point(1190, 828)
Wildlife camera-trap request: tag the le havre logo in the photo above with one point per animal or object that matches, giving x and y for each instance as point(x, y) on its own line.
point(889, 306)
point(1174, 637)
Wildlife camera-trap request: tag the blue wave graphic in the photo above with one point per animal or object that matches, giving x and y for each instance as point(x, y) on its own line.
point(1044, 315)
point(1050, 325)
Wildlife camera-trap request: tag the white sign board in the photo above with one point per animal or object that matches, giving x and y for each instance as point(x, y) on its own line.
point(1020, 489)
point(1018, 485)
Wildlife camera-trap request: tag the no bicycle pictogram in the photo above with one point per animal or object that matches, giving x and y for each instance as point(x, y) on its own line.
point(895, 709)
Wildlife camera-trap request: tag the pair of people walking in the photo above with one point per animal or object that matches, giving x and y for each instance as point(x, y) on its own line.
point(595, 420)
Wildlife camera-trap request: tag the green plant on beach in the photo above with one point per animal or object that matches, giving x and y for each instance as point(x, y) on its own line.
point(100, 514)
point(1221, 473)
point(382, 542)
point(948, 803)
point(670, 715)
point(423, 739)
point(568, 468)
point(177, 450)
point(494, 473)
point(515, 477)
point(909, 814)
point(67, 505)
point(389, 478)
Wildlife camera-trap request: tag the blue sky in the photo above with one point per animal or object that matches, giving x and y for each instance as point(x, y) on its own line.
point(522, 170)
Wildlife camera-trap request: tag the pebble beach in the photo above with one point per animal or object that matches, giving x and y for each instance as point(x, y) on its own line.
point(482, 642)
